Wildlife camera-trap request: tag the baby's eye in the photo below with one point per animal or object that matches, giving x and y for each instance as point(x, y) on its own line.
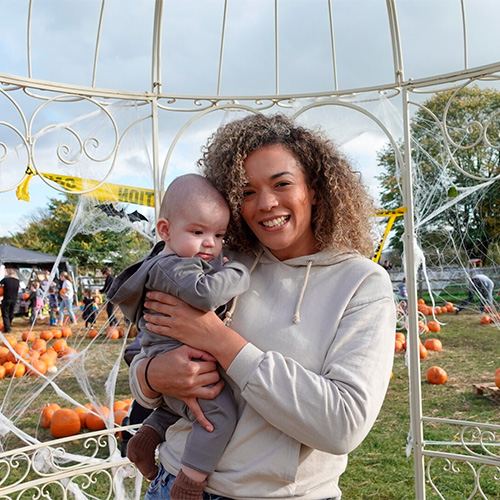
point(197, 232)
point(219, 235)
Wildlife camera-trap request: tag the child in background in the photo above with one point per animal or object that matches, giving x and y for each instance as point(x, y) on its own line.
point(88, 311)
point(188, 263)
point(53, 305)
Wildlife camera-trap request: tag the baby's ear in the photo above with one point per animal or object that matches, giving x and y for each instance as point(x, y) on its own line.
point(163, 229)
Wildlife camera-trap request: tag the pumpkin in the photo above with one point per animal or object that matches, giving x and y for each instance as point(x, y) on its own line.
point(39, 345)
point(69, 351)
point(400, 336)
point(47, 335)
point(486, 320)
point(433, 345)
point(65, 422)
point(497, 380)
point(48, 359)
point(1, 291)
point(421, 302)
point(3, 371)
point(66, 332)
point(4, 352)
point(57, 334)
point(94, 420)
point(39, 366)
point(93, 333)
point(11, 340)
point(434, 326)
point(47, 413)
point(119, 405)
point(398, 346)
point(21, 349)
point(422, 351)
point(59, 345)
point(436, 375)
point(82, 414)
point(28, 336)
point(26, 296)
point(113, 333)
point(19, 370)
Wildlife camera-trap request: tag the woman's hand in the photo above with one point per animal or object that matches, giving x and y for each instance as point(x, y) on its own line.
point(198, 329)
point(183, 373)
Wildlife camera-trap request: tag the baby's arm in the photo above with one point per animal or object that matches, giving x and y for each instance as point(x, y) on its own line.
point(198, 283)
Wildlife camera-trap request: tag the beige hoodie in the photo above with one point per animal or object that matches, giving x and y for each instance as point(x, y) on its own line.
point(311, 381)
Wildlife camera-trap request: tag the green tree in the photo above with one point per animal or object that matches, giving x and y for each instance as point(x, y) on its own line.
point(473, 125)
point(47, 230)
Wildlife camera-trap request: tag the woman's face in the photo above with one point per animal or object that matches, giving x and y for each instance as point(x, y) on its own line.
point(277, 204)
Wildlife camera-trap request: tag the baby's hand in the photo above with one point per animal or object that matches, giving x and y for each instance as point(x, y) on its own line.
point(225, 260)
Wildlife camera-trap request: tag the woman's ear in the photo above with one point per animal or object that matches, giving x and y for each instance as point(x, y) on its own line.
point(163, 229)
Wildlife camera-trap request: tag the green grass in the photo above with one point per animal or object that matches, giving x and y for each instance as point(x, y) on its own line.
point(379, 468)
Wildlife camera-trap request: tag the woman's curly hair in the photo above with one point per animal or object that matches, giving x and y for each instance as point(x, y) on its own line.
point(342, 216)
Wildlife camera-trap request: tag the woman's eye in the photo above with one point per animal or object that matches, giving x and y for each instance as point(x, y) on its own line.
point(246, 194)
point(283, 184)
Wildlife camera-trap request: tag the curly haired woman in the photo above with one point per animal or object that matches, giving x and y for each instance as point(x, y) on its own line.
point(309, 349)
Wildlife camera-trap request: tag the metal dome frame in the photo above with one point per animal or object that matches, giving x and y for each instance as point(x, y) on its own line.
point(199, 106)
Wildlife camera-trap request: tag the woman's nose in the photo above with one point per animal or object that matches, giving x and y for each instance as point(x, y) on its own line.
point(267, 200)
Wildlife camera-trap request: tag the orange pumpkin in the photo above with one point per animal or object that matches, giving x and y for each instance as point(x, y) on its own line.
point(421, 302)
point(94, 420)
point(400, 336)
point(434, 326)
point(56, 334)
point(46, 335)
point(4, 352)
point(113, 333)
point(486, 320)
point(398, 345)
point(9, 368)
point(65, 422)
point(497, 380)
point(11, 340)
point(28, 336)
point(436, 375)
point(59, 345)
point(66, 332)
point(82, 413)
point(119, 405)
point(3, 371)
point(39, 345)
point(93, 333)
point(433, 345)
point(19, 370)
point(39, 366)
point(26, 296)
point(422, 351)
point(47, 413)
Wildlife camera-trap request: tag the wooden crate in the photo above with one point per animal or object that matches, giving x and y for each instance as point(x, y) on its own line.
point(487, 390)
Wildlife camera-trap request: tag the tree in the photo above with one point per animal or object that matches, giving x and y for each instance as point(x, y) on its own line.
point(475, 220)
point(46, 233)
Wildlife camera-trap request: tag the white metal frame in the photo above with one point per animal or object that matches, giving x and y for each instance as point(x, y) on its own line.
point(200, 105)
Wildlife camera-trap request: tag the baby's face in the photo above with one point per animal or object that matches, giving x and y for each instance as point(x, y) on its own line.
point(198, 230)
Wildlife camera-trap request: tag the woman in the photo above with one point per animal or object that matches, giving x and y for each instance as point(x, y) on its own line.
point(67, 293)
point(309, 349)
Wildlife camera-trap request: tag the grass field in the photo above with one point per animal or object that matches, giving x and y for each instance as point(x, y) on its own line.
point(379, 468)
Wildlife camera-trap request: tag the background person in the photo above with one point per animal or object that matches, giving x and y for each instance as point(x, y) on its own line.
point(10, 287)
point(310, 348)
point(481, 285)
point(187, 263)
point(67, 294)
point(108, 281)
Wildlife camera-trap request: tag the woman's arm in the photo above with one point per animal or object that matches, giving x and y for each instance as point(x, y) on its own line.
point(183, 373)
point(201, 330)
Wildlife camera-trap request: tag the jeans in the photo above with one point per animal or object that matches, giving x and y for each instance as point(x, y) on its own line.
point(68, 304)
point(159, 489)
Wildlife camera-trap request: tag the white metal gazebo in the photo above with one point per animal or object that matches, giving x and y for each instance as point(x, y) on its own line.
point(318, 61)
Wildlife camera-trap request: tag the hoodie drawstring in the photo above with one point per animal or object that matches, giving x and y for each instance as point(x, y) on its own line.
point(229, 314)
point(296, 316)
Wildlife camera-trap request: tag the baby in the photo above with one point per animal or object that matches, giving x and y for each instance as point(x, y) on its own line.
point(188, 263)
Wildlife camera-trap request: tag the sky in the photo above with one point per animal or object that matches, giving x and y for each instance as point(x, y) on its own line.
point(60, 46)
